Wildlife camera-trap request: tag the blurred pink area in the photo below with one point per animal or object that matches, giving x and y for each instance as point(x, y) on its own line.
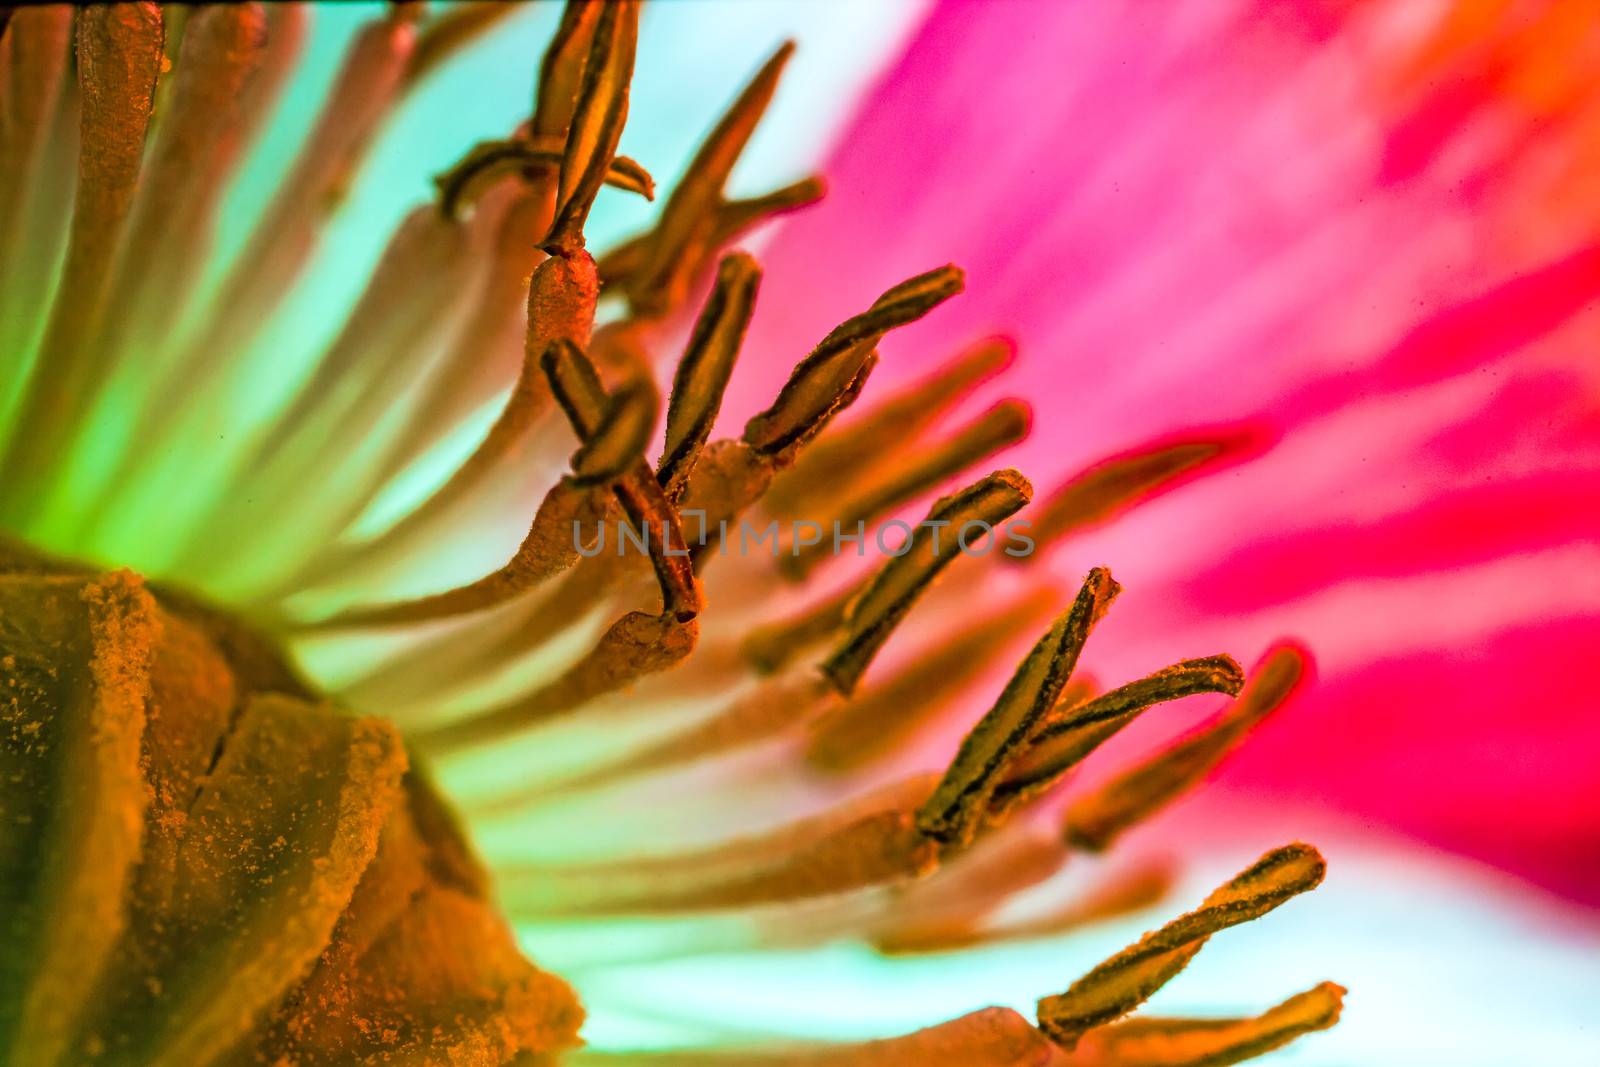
point(1372, 227)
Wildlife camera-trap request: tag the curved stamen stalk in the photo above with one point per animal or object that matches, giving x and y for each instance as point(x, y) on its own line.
point(955, 900)
point(992, 1037)
point(876, 849)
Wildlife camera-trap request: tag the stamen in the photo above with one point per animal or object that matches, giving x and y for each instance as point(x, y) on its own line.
point(813, 390)
point(629, 175)
point(770, 648)
point(597, 123)
point(1096, 820)
point(613, 452)
point(682, 239)
point(551, 888)
point(1071, 733)
point(561, 302)
point(561, 70)
point(561, 296)
point(992, 1037)
point(1129, 978)
point(1001, 426)
point(453, 29)
point(34, 209)
point(772, 709)
point(849, 393)
point(207, 109)
point(545, 552)
point(1124, 894)
point(578, 390)
point(873, 616)
point(879, 848)
point(285, 236)
point(576, 386)
point(703, 372)
point(635, 646)
point(1210, 1042)
point(119, 57)
point(733, 219)
point(467, 378)
point(956, 808)
point(950, 906)
point(618, 440)
point(548, 548)
point(487, 160)
point(847, 453)
point(733, 474)
point(878, 721)
point(1114, 485)
point(644, 503)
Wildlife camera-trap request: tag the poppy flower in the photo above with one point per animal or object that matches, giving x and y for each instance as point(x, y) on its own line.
point(802, 690)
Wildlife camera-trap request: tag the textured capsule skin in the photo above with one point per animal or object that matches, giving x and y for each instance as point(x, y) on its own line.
point(201, 863)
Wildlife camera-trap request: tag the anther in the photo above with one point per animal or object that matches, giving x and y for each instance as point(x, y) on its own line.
point(1127, 979)
point(703, 372)
point(957, 807)
point(874, 615)
point(1070, 734)
point(1097, 819)
point(814, 388)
